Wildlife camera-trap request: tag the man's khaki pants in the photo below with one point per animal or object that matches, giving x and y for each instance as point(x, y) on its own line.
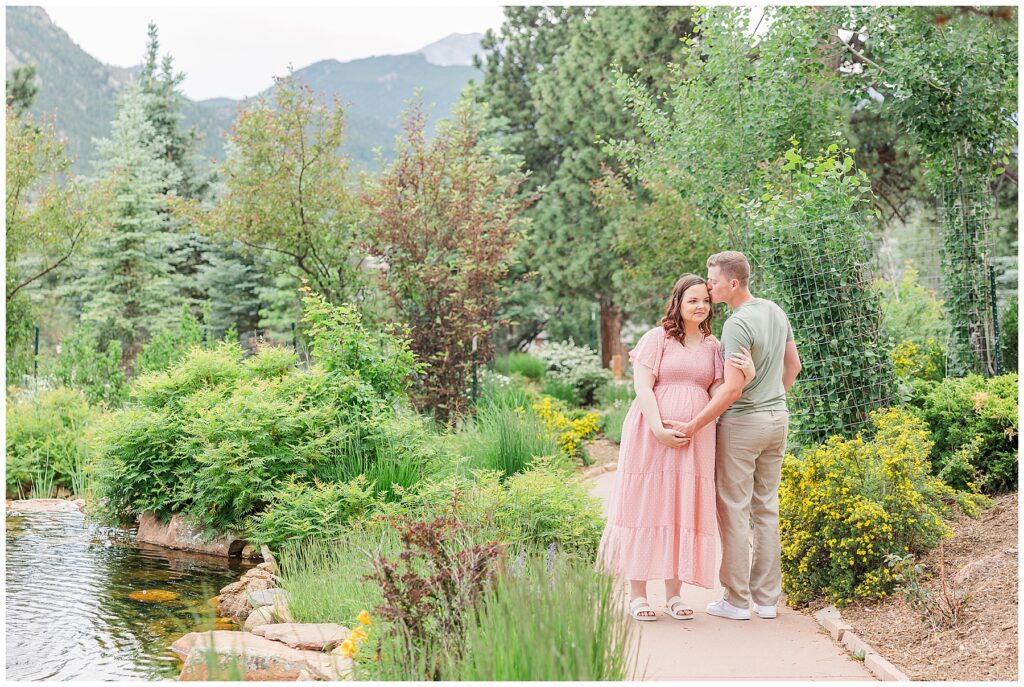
point(748, 469)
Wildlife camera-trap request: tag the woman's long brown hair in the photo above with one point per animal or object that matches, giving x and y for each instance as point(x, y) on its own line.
point(672, 322)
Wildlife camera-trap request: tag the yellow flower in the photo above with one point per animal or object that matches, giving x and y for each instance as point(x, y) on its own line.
point(364, 618)
point(347, 648)
point(358, 634)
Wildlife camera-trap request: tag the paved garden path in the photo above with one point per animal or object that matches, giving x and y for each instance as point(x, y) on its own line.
point(790, 647)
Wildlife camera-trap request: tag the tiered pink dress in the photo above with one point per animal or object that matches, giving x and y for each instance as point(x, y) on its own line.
point(661, 516)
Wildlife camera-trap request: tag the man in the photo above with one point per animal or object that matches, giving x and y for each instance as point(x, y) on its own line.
point(751, 440)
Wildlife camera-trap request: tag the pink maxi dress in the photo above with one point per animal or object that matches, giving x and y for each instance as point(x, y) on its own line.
point(661, 516)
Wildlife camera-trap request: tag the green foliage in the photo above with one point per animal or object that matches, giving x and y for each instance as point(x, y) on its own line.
point(288, 190)
point(47, 218)
point(726, 114)
point(46, 439)
point(127, 287)
point(562, 390)
point(910, 312)
point(168, 346)
point(340, 342)
point(809, 245)
point(587, 639)
point(846, 504)
point(215, 436)
point(613, 419)
point(950, 79)
point(96, 371)
point(1009, 327)
point(547, 506)
point(299, 511)
point(521, 364)
point(974, 427)
point(20, 89)
point(325, 579)
point(506, 438)
point(616, 392)
point(576, 365)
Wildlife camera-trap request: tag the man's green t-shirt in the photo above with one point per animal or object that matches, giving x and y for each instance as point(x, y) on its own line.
point(763, 328)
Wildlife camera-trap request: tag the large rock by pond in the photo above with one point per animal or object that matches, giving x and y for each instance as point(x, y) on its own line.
point(177, 533)
point(311, 636)
point(234, 600)
point(255, 657)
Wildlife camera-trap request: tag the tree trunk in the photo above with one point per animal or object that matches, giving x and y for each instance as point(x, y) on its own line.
point(611, 328)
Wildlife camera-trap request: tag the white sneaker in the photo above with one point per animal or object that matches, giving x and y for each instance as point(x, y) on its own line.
point(766, 612)
point(724, 609)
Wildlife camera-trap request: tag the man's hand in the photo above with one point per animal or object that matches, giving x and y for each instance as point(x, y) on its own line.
point(671, 437)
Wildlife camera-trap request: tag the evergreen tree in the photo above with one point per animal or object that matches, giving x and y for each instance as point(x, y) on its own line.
point(128, 289)
point(21, 89)
point(554, 79)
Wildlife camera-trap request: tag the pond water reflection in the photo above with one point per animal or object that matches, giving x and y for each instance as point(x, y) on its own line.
point(71, 614)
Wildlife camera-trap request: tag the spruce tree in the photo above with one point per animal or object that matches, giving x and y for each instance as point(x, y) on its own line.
point(128, 289)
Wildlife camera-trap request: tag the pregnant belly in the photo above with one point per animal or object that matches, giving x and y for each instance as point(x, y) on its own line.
point(681, 403)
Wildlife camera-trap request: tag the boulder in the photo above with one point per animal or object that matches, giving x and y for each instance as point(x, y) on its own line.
point(264, 615)
point(974, 571)
point(268, 559)
point(178, 534)
point(255, 658)
point(311, 636)
point(236, 604)
point(267, 597)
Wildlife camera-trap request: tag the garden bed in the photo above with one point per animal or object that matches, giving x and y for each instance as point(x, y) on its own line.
point(983, 645)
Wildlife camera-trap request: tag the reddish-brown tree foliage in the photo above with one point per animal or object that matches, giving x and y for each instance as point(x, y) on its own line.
point(445, 216)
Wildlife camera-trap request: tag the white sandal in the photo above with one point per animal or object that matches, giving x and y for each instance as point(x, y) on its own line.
point(638, 606)
point(674, 607)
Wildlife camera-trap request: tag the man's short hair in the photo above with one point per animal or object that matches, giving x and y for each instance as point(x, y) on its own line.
point(733, 264)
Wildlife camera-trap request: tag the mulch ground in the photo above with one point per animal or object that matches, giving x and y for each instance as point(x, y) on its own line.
point(980, 559)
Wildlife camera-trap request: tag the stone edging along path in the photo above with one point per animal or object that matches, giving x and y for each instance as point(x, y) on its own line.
point(830, 619)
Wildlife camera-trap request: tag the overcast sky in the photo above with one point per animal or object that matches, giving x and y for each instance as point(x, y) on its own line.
point(232, 50)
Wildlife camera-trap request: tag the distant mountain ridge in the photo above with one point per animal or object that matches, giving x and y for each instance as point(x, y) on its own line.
point(374, 90)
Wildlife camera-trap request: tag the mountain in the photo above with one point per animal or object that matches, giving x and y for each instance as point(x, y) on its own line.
point(457, 49)
point(82, 90)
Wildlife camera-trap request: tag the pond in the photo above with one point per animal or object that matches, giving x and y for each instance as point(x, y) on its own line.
point(90, 603)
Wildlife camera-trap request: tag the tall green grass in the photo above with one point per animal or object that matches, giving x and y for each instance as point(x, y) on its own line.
point(547, 618)
point(506, 439)
point(324, 579)
point(520, 363)
point(612, 420)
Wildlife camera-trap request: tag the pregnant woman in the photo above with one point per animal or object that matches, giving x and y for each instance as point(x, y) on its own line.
point(661, 519)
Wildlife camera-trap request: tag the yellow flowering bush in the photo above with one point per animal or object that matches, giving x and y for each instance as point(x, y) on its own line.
point(923, 361)
point(349, 648)
point(570, 432)
point(846, 503)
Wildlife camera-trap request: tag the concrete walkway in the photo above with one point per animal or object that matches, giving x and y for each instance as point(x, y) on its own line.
point(791, 647)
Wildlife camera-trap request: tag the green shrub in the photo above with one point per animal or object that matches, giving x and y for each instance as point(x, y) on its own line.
point(506, 439)
point(562, 390)
point(299, 511)
point(94, 370)
point(587, 639)
point(522, 364)
point(846, 504)
point(340, 343)
point(168, 346)
point(974, 420)
point(910, 312)
point(577, 366)
point(46, 443)
point(215, 436)
point(612, 421)
point(547, 505)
